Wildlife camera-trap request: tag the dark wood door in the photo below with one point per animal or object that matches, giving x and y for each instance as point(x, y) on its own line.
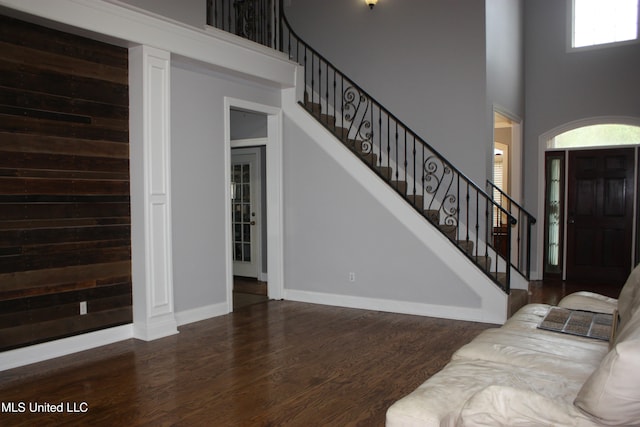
point(600, 215)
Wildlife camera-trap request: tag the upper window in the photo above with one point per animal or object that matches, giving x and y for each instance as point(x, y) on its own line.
point(598, 135)
point(598, 22)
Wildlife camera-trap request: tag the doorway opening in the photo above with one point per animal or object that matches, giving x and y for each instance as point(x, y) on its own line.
point(253, 169)
point(248, 222)
point(506, 178)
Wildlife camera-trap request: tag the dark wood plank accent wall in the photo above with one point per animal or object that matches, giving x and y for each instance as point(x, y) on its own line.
point(65, 227)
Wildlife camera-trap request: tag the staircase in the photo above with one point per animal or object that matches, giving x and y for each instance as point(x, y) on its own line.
point(362, 149)
point(461, 210)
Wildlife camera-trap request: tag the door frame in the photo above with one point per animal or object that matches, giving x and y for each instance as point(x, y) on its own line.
point(544, 142)
point(274, 200)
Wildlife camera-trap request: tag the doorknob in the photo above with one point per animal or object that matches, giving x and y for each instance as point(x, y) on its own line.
point(572, 221)
point(252, 223)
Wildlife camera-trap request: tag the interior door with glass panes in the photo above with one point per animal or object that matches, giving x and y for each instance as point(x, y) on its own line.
point(244, 219)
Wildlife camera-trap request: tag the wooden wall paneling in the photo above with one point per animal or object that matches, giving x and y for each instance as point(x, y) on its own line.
point(65, 222)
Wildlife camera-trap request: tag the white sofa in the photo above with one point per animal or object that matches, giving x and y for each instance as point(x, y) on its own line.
point(519, 375)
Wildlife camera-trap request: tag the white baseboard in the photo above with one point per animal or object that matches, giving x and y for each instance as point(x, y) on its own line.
point(40, 352)
point(391, 306)
point(62, 347)
point(201, 313)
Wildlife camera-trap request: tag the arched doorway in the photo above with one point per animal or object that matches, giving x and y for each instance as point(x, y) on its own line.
point(590, 197)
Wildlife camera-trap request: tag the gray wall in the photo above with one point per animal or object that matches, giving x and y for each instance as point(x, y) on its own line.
point(423, 60)
point(248, 125)
point(505, 55)
point(505, 65)
point(192, 12)
point(197, 143)
point(334, 226)
point(562, 87)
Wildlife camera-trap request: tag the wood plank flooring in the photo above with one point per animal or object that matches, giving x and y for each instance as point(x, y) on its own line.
point(277, 363)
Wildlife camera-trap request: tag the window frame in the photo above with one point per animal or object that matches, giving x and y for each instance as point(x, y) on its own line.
point(570, 32)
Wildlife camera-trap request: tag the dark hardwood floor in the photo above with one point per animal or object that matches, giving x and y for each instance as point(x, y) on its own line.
point(248, 291)
point(275, 363)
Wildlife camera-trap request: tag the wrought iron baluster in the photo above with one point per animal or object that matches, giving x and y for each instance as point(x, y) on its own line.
point(371, 160)
point(335, 82)
point(405, 159)
point(415, 191)
point(397, 155)
point(468, 197)
point(380, 135)
point(312, 77)
point(388, 142)
point(320, 85)
point(487, 222)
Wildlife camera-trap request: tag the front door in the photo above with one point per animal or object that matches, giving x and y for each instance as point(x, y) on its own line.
point(600, 215)
point(245, 208)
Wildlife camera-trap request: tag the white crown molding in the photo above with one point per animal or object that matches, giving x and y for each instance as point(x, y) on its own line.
point(128, 26)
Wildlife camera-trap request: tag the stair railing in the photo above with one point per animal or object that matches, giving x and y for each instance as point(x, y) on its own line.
point(521, 256)
point(255, 20)
point(448, 199)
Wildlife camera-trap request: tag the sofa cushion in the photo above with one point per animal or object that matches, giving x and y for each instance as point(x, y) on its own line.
point(439, 400)
point(611, 394)
point(589, 301)
point(566, 355)
point(504, 406)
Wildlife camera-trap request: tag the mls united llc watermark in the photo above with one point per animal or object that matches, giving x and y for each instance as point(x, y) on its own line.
point(44, 407)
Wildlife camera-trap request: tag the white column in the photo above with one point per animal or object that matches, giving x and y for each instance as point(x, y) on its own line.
point(150, 166)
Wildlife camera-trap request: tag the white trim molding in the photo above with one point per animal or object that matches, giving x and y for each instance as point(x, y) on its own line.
point(275, 204)
point(37, 353)
point(152, 259)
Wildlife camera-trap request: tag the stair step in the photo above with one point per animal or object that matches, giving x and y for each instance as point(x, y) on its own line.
point(385, 171)
point(359, 145)
point(401, 186)
point(327, 119)
point(433, 215)
point(342, 133)
point(354, 144)
point(518, 298)
point(483, 261)
point(416, 200)
point(466, 245)
point(449, 230)
point(371, 159)
point(313, 107)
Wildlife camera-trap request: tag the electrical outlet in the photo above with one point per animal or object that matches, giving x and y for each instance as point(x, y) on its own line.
point(83, 307)
point(352, 276)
